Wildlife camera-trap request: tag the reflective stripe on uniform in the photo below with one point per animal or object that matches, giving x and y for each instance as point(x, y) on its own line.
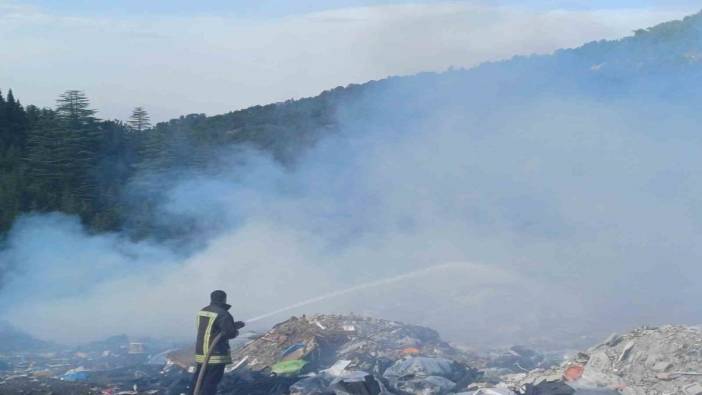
point(214, 359)
point(210, 316)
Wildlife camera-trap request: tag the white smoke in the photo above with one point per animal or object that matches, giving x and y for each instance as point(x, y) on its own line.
point(570, 217)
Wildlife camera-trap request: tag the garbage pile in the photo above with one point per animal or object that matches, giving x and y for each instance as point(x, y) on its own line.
point(27, 384)
point(357, 355)
point(646, 361)
point(325, 354)
point(351, 355)
point(114, 365)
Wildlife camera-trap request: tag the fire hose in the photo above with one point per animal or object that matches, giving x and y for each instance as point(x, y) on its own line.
point(203, 367)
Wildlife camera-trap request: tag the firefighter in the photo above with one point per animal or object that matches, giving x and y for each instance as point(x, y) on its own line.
point(211, 321)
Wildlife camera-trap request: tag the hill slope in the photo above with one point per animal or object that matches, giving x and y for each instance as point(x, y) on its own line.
point(95, 175)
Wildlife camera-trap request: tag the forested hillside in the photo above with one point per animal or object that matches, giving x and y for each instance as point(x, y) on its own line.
point(67, 159)
point(62, 160)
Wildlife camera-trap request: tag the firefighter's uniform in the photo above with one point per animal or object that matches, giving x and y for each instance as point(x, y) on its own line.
point(211, 321)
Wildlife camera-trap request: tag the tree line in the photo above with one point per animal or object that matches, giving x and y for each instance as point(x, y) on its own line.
point(65, 159)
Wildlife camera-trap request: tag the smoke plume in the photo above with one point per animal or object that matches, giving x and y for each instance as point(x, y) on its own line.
point(559, 214)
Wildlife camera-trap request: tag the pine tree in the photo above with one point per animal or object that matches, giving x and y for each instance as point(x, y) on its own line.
point(10, 99)
point(74, 108)
point(62, 156)
point(4, 129)
point(15, 122)
point(140, 119)
point(81, 143)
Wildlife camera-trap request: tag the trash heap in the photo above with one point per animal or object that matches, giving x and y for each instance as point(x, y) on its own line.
point(339, 354)
point(351, 355)
point(29, 385)
point(646, 361)
point(114, 365)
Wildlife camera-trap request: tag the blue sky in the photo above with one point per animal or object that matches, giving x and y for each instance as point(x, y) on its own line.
point(176, 57)
point(267, 8)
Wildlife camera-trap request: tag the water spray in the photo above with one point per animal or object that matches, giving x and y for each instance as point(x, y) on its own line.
point(356, 288)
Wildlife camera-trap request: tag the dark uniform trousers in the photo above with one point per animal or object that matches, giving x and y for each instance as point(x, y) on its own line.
point(213, 375)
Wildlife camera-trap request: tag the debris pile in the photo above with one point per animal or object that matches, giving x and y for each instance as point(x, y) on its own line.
point(646, 361)
point(351, 355)
point(344, 352)
point(325, 354)
point(370, 344)
point(111, 366)
point(27, 384)
point(421, 375)
point(665, 360)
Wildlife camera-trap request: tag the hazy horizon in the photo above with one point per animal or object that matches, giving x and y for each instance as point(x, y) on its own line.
point(175, 59)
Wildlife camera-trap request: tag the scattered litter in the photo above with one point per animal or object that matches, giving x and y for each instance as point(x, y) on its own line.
point(289, 368)
point(356, 383)
point(490, 391)
point(322, 327)
point(237, 365)
point(573, 372)
point(315, 385)
point(338, 368)
point(77, 374)
point(428, 375)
